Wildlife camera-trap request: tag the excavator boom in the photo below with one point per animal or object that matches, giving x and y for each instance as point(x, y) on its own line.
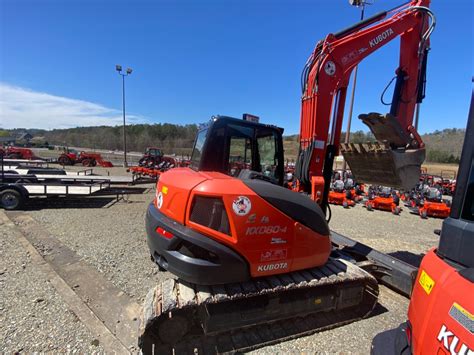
point(325, 79)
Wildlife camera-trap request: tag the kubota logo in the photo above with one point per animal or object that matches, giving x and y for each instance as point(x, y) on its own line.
point(271, 267)
point(451, 342)
point(381, 37)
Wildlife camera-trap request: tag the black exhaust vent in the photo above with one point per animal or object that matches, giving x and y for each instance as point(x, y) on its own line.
point(210, 212)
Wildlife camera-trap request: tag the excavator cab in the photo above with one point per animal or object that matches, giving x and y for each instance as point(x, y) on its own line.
point(240, 148)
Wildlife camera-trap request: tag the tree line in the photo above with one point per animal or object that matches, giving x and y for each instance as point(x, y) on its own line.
point(442, 146)
point(170, 138)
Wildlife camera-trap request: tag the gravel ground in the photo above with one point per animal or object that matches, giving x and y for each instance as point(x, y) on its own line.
point(113, 240)
point(406, 236)
point(33, 317)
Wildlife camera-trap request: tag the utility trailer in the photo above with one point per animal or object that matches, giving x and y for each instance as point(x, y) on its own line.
point(46, 173)
point(32, 162)
point(16, 188)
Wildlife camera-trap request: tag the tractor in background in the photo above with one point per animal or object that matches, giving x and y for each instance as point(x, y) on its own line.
point(72, 157)
point(18, 153)
point(151, 157)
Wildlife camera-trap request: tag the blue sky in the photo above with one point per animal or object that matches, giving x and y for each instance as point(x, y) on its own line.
point(194, 59)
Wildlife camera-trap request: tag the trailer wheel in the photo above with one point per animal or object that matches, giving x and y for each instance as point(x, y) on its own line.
point(11, 199)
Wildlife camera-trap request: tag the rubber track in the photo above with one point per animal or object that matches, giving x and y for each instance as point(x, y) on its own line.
point(175, 296)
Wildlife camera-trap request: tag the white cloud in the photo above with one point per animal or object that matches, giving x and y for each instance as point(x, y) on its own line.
point(24, 108)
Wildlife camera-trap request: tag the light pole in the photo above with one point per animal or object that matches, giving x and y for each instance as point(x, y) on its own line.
point(361, 4)
point(127, 72)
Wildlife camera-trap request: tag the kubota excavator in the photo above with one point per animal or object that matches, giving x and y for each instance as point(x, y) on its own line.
point(247, 251)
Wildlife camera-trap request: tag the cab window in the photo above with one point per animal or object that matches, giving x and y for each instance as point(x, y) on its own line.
point(197, 150)
point(240, 149)
point(267, 152)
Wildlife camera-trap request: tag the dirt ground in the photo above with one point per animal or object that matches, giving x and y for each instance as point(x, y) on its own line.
point(107, 237)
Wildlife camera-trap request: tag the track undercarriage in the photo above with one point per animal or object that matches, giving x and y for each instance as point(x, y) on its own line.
point(181, 317)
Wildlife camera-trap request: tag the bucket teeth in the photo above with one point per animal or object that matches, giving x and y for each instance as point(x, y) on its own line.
point(377, 164)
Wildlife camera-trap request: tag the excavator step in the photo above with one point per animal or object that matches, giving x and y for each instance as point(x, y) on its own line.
point(378, 164)
point(183, 317)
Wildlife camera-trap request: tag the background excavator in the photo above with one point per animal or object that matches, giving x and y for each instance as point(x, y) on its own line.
point(250, 253)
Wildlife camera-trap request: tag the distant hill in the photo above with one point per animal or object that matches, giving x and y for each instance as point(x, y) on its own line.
point(170, 138)
point(442, 146)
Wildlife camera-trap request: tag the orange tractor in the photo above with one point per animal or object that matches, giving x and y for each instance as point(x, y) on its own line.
point(152, 157)
point(153, 163)
point(72, 157)
point(18, 153)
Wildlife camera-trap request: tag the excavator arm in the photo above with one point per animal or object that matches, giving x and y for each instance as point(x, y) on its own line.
point(396, 160)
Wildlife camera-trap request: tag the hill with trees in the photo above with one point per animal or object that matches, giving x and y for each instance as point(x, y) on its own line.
point(442, 146)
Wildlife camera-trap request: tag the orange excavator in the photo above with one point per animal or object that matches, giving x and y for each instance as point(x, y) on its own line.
point(251, 254)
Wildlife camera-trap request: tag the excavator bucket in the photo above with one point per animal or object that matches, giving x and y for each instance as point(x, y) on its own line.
point(395, 162)
point(380, 165)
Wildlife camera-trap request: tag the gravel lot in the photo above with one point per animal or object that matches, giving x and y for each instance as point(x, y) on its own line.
point(112, 239)
point(33, 317)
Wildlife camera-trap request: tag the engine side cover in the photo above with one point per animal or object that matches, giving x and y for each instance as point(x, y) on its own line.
point(270, 240)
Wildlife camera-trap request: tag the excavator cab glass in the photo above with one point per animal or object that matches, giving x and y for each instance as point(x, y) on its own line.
point(240, 148)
